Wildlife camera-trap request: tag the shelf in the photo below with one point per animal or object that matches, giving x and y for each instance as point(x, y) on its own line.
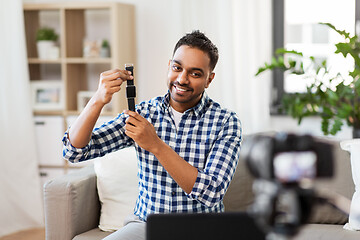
point(51, 166)
point(88, 60)
point(70, 60)
point(44, 61)
point(48, 113)
point(69, 5)
point(76, 23)
point(76, 113)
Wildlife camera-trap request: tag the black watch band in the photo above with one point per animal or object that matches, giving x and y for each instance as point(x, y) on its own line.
point(130, 95)
point(130, 90)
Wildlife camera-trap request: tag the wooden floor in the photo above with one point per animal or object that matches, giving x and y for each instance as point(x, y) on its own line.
point(31, 234)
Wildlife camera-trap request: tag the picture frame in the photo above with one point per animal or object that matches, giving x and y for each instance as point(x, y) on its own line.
point(47, 95)
point(83, 98)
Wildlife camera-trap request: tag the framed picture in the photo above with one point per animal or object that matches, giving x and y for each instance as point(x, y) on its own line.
point(83, 98)
point(47, 95)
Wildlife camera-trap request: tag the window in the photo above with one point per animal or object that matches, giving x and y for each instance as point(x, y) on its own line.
point(296, 27)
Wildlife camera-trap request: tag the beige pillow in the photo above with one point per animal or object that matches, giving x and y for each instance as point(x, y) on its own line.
point(341, 183)
point(117, 185)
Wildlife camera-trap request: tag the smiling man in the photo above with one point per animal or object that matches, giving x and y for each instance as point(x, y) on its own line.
point(187, 145)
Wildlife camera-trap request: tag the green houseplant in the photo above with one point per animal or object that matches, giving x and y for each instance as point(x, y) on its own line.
point(46, 38)
point(46, 34)
point(330, 96)
point(105, 49)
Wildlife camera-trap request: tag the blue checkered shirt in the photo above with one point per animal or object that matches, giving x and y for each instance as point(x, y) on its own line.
point(208, 137)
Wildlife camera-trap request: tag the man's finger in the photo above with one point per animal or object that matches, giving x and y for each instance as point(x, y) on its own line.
point(116, 73)
point(126, 75)
point(133, 114)
point(132, 121)
point(130, 127)
point(129, 133)
point(116, 82)
point(109, 72)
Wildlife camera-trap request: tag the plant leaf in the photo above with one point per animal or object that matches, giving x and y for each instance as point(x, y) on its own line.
point(336, 127)
point(344, 33)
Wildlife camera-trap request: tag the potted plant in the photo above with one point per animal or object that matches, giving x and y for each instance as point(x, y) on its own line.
point(105, 49)
point(45, 38)
point(330, 96)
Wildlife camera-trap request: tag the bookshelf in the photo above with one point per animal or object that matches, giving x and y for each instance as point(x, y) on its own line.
point(74, 73)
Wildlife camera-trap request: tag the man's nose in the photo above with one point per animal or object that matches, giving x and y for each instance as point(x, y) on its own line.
point(183, 78)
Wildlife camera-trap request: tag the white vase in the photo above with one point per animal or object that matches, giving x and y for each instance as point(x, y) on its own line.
point(353, 146)
point(44, 48)
point(104, 52)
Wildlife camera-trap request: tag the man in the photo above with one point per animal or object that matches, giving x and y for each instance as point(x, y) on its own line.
point(187, 145)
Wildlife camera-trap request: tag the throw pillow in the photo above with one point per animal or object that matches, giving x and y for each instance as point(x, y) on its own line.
point(117, 185)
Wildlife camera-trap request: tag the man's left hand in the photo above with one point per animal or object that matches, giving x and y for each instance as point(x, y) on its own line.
point(141, 131)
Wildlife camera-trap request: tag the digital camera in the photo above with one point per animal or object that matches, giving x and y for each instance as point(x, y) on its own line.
point(281, 165)
point(288, 157)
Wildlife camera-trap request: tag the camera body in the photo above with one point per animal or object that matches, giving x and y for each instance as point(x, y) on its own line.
point(283, 166)
point(276, 157)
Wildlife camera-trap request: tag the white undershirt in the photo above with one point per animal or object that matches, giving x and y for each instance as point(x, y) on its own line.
point(177, 116)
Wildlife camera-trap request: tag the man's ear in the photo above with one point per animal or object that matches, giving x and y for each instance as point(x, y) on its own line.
point(169, 64)
point(211, 77)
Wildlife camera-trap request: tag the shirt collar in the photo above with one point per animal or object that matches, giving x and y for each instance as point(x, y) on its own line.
point(198, 109)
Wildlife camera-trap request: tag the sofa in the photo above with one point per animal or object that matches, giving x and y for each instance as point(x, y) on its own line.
point(72, 206)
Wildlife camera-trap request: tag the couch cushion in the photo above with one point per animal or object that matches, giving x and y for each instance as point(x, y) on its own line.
point(239, 195)
point(341, 183)
point(326, 231)
point(117, 185)
point(94, 234)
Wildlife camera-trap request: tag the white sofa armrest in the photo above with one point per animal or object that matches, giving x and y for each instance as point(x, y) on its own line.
point(71, 204)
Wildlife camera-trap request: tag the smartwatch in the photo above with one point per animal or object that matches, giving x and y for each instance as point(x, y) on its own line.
point(130, 88)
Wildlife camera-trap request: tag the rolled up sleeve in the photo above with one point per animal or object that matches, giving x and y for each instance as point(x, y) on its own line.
point(213, 181)
point(105, 139)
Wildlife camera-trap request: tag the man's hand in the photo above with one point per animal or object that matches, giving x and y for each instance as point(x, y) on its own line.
point(141, 131)
point(144, 134)
point(110, 83)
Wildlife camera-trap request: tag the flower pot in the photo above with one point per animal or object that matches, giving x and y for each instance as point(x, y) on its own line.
point(353, 146)
point(104, 52)
point(44, 48)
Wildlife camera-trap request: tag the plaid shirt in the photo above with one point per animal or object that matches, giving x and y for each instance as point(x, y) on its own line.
point(208, 137)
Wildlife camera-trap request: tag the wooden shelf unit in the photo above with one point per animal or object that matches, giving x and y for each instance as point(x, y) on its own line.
point(70, 19)
point(72, 25)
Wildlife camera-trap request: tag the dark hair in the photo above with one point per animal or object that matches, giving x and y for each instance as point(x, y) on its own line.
point(197, 39)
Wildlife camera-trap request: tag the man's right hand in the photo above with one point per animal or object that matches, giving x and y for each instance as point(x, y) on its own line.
point(110, 83)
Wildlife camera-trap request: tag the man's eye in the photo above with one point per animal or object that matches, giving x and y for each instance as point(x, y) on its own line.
point(195, 74)
point(176, 68)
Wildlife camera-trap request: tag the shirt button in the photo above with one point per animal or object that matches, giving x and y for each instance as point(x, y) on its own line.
point(173, 193)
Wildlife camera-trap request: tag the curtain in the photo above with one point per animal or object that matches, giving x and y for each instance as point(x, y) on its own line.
point(242, 31)
point(20, 190)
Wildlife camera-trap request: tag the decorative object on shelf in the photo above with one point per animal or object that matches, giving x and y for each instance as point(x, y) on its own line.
point(46, 38)
point(105, 49)
point(91, 48)
point(47, 95)
point(353, 146)
point(83, 98)
point(332, 97)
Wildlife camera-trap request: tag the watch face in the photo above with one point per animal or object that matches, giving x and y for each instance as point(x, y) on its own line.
point(130, 91)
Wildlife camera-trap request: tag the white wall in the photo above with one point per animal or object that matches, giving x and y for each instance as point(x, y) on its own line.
point(160, 23)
